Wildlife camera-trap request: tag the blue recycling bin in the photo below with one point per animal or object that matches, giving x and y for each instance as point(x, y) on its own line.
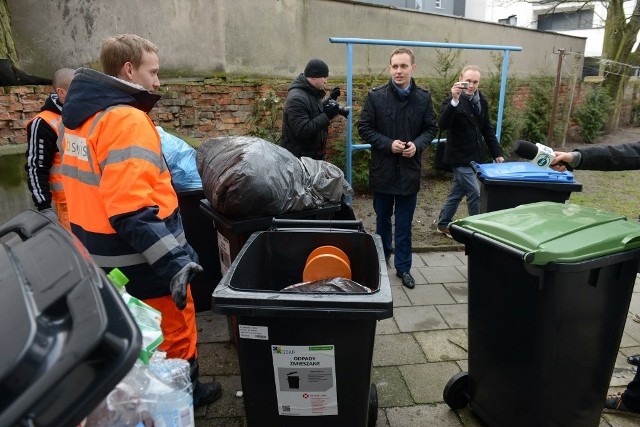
point(511, 184)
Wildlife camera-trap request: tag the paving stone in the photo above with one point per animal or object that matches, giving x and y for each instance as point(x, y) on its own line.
point(445, 345)
point(422, 318)
point(218, 359)
point(455, 315)
point(392, 389)
point(386, 327)
point(442, 274)
point(429, 295)
point(459, 291)
point(426, 381)
point(212, 327)
point(441, 259)
point(386, 350)
point(439, 415)
point(400, 298)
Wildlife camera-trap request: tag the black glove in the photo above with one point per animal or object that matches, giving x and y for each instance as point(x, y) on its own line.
point(179, 283)
point(335, 93)
point(331, 108)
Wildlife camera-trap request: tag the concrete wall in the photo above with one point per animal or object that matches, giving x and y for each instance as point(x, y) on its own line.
point(262, 37)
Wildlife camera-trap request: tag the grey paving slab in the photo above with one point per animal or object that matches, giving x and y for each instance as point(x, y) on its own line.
point(441, 274)
point(463, 272)
point(399, 349)
point(441, 259)
point(218, 359)
point(417, 260)
point(228, 406)
point(421, 318)
point(458, 291)
point(470, 418)
point(400, 298)
point(454, 314)
point(445, 345)
point(429, 295)
point(423, 416)
point(212, 327)
point(392, 389)
point(387, 326)
point(426, 381)
point(382, 418)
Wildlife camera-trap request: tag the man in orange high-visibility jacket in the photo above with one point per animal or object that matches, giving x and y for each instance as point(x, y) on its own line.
point(122, 205)
point(43, 161)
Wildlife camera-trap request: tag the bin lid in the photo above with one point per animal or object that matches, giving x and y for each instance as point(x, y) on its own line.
point(520, 171)
point(556, 232)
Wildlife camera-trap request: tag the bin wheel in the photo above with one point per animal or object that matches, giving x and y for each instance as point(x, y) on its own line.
point(373, 406)
point(456, 392)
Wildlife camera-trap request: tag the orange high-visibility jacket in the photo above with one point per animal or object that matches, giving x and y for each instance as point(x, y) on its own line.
point(43, 160)
point(122, 205)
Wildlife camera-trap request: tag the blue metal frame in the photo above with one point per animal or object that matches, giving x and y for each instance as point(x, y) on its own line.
point(351, 41)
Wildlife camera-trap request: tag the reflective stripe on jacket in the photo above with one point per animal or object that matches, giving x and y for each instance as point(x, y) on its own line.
point(122, 205)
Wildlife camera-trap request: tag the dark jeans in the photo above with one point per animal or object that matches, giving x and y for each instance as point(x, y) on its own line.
point(631, 396)
point(405, 206)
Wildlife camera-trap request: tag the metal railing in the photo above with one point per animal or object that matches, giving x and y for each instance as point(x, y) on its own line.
point(351, 41)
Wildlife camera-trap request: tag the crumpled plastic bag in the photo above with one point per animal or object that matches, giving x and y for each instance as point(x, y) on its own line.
point(244, 176)
point(332, 285)
point(181, 159)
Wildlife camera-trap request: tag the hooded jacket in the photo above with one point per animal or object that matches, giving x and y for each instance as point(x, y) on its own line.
point(385, 118)
point(43, 162)
point(467, 133)
point(122, 206)
point(304, 125)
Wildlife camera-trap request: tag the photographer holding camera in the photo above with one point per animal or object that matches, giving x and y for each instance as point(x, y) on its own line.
point(465, 115)
point(306, 115)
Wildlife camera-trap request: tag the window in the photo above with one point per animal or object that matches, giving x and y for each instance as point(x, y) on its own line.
point(575, 20)
point(438, 4)
point(512, 20)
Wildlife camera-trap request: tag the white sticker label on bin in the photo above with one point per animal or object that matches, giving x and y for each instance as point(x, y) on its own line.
point(224, 250)
point(305, 380)
point(251, 332)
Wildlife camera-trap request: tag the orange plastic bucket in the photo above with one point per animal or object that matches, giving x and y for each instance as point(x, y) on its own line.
point(326, 262)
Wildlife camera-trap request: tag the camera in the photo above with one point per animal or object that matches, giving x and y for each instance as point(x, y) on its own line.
point(343, 111)
point(465, 85)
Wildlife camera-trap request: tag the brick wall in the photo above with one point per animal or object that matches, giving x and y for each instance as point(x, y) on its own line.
point(209, 108)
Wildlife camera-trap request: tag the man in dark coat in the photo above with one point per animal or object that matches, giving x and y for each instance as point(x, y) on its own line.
point(306, 117)
point(399, 122)
point(465, 115)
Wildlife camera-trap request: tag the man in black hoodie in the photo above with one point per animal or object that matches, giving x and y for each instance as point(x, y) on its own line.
point(306, 117)
point(43, 161)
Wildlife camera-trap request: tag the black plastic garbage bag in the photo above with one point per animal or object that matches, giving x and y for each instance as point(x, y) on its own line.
point(245, 176)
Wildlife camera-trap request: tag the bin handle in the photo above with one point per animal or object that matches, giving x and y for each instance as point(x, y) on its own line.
point(317, 223)
point(631, 239)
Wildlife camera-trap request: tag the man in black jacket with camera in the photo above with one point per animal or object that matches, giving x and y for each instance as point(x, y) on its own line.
point(306, 115)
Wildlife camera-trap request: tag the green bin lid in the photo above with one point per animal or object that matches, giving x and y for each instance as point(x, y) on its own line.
point(557, 232)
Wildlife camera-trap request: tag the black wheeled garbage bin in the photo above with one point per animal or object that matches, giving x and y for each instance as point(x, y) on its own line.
point(202, 238)
point(233, 233)
point(510, 184)
point(549, 290)
point(67, 336)
point(305, 358)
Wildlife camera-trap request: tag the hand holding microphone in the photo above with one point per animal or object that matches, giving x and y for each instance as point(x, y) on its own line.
point(538, 154)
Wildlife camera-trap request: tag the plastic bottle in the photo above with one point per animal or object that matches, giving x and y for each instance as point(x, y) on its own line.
point(147, 318)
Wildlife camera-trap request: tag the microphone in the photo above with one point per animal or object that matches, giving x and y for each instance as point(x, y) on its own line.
point(538, 154)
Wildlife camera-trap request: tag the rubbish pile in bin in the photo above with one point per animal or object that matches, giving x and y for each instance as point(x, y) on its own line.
point(245, 176)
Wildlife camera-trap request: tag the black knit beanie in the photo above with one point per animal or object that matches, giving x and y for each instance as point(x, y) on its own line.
point(316, 68)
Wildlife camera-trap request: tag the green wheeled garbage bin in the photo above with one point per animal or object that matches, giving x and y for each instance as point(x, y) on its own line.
point(305, 358)
point(67, 336)
point(510, 184)
point(549, 289)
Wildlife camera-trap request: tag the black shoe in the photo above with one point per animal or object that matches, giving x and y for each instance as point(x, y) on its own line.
point(634, 360)
point(615, 403)
point(407, 279)
point(205, 393)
